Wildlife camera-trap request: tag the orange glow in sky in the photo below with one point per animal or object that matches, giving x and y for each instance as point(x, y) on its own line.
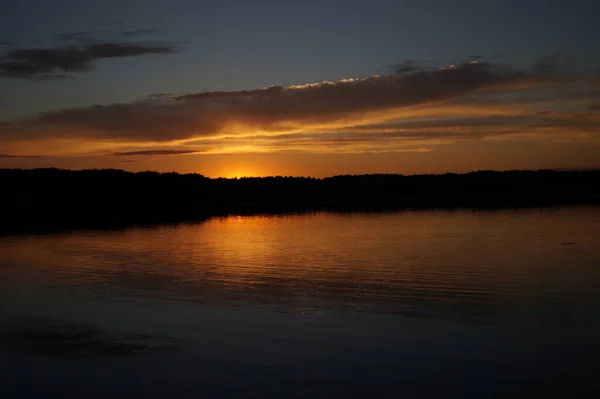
point(457, 119)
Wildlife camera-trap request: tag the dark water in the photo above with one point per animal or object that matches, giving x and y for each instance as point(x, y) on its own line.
point(411, 304)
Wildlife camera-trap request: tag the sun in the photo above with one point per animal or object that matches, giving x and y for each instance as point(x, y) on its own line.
point(238, 173)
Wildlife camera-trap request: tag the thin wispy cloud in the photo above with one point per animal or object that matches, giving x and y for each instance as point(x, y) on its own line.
point(153, 152)
point(408, 66)
point(78, 52)
point(64, 60)
point(20, 156)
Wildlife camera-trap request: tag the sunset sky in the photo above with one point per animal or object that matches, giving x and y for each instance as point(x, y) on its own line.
point(311, 88)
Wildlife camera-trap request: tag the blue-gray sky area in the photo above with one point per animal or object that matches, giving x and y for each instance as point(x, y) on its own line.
point(235, 87)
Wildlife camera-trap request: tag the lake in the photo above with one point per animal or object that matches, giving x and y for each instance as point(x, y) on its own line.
point(405, 304)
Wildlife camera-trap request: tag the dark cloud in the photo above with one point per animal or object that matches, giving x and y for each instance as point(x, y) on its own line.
point(114, 50)
point(160, 96)
point(79, 56)
point(19, 156)
point(153, 152)
point(2, 43)
point(95, 35)
point(274, 108)
point(128, 161)
point(408, 66)
point(139, 32)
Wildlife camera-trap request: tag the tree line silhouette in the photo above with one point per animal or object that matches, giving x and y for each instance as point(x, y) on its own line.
point(56, 198)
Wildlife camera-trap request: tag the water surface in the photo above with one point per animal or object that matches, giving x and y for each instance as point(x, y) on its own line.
point(413, 304)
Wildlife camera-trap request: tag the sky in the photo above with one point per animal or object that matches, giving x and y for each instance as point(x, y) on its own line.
point(307, 88)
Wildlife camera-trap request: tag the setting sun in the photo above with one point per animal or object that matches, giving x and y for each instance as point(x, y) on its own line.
point(239, 172)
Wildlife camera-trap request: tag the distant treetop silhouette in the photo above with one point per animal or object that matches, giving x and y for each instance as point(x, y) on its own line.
point(50, 198)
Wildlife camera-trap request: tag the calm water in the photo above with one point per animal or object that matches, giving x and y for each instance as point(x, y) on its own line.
point(410, 304)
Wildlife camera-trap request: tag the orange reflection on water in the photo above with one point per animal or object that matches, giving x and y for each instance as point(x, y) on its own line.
point(449, 261)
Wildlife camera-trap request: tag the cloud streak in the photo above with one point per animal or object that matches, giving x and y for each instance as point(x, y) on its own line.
point(32, 63)
point(410, 110)
point(273, 108)
point(154, 152)
point(78, 52)
point(20, 156)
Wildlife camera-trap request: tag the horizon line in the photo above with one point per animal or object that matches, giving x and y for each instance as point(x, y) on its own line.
point(574, 170)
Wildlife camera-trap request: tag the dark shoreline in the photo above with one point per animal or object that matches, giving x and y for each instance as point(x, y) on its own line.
point(40, 200)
